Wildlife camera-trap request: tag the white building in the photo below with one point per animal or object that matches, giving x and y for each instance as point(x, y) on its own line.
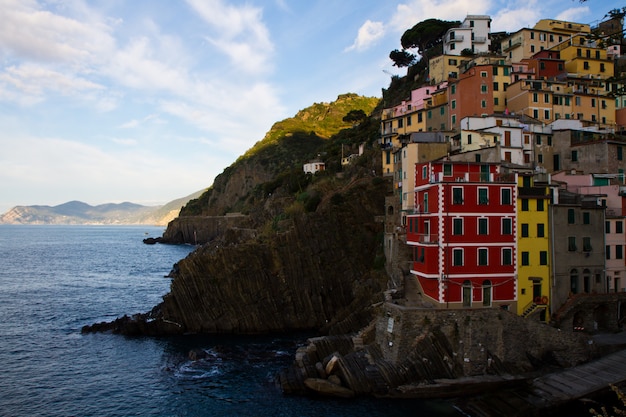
point(473, 34)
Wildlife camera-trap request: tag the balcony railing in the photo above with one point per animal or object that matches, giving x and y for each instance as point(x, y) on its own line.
point(484, 177)
point(425, 238)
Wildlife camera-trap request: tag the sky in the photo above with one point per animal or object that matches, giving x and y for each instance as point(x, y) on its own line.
point(106, 101)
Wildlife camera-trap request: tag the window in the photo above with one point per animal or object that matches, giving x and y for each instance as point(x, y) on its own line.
point(483, 74)
point(524, 205)
point(483, 88)
point(457, 226)
point(453, 104)
point(482, 226)
point(619, 252)
point(543, 257)
point(457, 195)
point(571, 216)
point(507, 226)
point(546, 114)
point(506, 196)
point(541, 230)
point(538, 139)
point(453, 89)
point(495, 86)
point(507, 256)
point(421, 257)
point(524, 229)
point(482, 196)
point(469, 139)
point(586, 217)
point(587, 244)
point(483, 104)
point(574, 156)
point(447, 170)
point(619, 153)
point(424, 172)
point(525, 259)
point(457, 257)
point(571, 244)
point(482, 256)
point(607, 227)
point(607, 251)
point(619, 227)
point(540, 205)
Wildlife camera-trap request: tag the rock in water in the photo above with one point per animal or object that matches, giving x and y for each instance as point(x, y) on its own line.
point(325, 387)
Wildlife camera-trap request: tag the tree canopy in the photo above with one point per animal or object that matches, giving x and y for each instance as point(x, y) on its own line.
point(355, 116)
point(402, 58)
point(426, 34)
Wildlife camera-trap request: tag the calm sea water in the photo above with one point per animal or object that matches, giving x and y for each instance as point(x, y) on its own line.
point(56, 279)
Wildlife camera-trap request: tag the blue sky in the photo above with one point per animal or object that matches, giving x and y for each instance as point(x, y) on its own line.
point(148, 100)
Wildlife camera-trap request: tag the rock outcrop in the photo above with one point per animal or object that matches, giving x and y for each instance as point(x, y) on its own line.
point(433, 353)
point(313, 271)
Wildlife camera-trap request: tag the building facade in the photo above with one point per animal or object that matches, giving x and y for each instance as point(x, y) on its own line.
point(461, 235)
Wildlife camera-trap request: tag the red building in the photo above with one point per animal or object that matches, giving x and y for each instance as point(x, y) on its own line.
point(546, 64)
point(463, 234)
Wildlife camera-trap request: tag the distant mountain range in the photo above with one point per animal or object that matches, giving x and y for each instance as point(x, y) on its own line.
point(77, 212)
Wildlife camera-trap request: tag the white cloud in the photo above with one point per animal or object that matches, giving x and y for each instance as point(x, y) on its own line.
point(574, 14)
point(414, 11)
point(368, 34)
point(238, 32)
point(29, 32)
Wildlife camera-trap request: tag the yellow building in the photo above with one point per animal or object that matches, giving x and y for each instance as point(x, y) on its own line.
point(591, 104)
point(533, 249)
point(442, 67)
point(534, 98)
point(546, 34)
point(583, 58)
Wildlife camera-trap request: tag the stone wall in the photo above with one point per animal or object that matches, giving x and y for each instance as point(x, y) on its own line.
point(482, 341)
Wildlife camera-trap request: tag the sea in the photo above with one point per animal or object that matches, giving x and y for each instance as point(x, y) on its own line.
point(55, 279)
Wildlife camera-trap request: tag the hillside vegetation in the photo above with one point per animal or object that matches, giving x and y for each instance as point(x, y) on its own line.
point(317, 132)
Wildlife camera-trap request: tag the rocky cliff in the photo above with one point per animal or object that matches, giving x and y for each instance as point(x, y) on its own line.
point(316, 270)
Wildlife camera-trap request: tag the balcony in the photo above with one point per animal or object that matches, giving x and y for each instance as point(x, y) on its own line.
point(424, 238)
point(483, 177)
point(512, 45)
point(455, 38)
point(532, 191)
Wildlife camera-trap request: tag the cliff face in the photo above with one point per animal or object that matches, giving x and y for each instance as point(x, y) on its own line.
point(313, 271)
